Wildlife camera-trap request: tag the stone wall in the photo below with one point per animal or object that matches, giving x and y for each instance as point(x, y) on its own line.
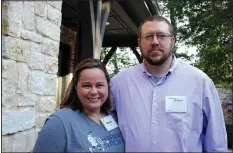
point(30, 47)
point(225, 95)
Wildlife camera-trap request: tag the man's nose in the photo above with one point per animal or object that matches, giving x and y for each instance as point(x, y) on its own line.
point(155, 40)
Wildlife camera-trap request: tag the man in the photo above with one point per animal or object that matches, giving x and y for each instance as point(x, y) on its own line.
point(165, 105)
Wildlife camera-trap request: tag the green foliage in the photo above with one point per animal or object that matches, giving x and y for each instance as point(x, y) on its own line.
point(121, 59)
point(206, 25)
point(225, 85)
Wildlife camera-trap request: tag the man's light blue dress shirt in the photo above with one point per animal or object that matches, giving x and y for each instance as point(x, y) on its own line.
point(146, 125)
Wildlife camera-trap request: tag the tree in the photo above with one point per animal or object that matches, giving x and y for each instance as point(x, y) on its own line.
point(206, 25)
point(121, 59)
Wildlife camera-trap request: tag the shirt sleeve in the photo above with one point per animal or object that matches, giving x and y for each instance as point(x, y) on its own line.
point(113, 88)
point(52, 137)
point(215, 137)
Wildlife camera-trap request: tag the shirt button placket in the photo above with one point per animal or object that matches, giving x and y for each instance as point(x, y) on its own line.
point(154, 121)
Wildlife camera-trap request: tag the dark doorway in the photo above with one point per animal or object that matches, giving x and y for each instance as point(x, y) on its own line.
point(64, 59)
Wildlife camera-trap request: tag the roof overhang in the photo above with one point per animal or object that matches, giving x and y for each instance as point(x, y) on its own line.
point(124, 19)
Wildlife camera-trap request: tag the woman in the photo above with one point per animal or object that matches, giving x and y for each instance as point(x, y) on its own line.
point(84, 123)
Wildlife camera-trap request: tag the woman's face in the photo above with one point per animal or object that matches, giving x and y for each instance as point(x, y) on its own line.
point(92, 89)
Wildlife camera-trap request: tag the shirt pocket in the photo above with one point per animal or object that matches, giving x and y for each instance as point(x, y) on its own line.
point(175, 120)
point(192, 120)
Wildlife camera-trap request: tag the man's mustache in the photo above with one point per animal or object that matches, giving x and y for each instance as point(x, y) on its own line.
point(156, 48)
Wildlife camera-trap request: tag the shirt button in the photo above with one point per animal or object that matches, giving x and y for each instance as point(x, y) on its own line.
point(154, 142)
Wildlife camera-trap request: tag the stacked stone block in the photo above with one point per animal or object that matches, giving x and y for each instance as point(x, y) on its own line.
point(30, 47)
point(225, 95)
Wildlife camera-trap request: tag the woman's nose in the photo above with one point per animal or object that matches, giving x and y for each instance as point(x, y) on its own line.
point(93, 90)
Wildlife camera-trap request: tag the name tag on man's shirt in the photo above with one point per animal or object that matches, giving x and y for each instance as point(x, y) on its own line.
point(109, 123)
point(176, 104)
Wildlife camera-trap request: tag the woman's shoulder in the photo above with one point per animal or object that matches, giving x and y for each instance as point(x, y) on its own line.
point(64, 111)
point(66, 114)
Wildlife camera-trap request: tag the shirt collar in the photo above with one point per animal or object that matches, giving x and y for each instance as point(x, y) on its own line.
point(173, 66)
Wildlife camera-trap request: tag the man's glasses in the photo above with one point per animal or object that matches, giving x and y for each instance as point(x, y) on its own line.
point(159, 36)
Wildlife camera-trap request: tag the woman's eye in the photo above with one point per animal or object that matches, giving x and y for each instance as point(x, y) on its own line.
point(100, 85)
point(86, 86)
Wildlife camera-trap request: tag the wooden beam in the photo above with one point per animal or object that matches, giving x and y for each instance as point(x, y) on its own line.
point(137, 54)
point(120, 41)
point(109, 55)
point(84, 40)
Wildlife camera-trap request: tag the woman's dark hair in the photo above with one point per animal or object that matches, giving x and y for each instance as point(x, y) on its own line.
point(71, 99)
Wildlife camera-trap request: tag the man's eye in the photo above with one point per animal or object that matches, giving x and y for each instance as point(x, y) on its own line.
point(149, 36)
point(161, 36)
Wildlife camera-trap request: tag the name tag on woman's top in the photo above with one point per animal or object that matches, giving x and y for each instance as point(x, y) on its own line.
point(109, 123)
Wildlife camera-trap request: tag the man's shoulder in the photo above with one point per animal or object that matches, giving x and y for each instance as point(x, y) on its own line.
point(192, 70)
point(127, 72)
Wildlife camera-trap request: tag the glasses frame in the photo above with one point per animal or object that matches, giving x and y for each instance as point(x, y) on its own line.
point(159, 36)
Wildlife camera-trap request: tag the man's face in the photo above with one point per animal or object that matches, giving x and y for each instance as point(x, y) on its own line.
point(156, 42)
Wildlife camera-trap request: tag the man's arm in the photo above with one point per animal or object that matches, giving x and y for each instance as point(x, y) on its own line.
point(113, 88)
point(214, 124)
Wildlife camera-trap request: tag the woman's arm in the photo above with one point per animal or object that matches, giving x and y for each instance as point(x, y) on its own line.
point(52, 137)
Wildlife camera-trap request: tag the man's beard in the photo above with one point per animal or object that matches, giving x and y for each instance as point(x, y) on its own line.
point(156, 62)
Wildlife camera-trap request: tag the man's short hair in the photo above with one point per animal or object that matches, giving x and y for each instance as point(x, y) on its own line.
point(157, 18)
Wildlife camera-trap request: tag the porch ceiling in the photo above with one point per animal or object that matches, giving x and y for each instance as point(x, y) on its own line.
point(124, 18)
